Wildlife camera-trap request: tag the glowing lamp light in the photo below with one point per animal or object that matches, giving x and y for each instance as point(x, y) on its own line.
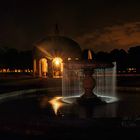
point(57, 61)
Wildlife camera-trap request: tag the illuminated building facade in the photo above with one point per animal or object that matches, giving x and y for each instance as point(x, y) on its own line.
point(50, 54)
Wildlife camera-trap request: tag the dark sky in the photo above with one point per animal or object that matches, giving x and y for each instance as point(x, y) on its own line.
point(99, 24)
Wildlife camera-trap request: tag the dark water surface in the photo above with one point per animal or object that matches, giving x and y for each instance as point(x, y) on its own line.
point(39, 114)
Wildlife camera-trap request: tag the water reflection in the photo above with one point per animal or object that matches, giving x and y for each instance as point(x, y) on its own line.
point(122, 108)
point(74, 109)
point(56, 104)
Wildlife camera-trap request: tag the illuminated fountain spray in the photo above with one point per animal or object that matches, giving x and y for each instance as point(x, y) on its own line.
point(89, 80)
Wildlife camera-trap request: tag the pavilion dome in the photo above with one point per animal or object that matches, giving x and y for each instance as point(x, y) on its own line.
point(57, 46)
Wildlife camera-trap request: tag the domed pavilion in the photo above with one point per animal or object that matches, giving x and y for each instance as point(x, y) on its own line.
point(50, 53)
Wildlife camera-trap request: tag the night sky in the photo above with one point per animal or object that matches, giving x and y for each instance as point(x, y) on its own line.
point(99, 24)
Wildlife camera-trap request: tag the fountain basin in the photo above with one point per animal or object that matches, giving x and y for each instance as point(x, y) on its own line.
point(102, 99)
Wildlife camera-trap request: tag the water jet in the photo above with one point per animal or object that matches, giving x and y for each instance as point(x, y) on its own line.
point(89, 81)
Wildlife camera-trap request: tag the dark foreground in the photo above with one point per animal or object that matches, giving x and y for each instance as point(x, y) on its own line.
point(24, 117)
point(98, 128)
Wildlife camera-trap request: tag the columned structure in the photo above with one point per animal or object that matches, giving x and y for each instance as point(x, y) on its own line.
point(43, 67)
point(51, 53)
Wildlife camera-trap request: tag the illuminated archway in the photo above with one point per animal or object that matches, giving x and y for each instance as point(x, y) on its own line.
point(57, 67)
point(43, 67)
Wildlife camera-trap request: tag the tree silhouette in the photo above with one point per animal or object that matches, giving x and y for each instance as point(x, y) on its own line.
point(102, 57)
point(120, 56)
point(13, 59)
point(134, 56)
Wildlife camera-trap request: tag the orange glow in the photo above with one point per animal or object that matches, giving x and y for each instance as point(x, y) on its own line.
point(15, 70)
point(44, 65)
point(57, 65)
point(56, 104)
point(49, 56)
point(57, 61)
point(89, 55)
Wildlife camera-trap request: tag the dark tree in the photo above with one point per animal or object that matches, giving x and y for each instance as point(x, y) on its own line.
point(25, 58)
point(134, 56)
point(13, 59)
point(121, 57)
point(102, 57)
point(10, 58)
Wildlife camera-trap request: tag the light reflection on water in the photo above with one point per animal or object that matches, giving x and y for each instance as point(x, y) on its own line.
point(70, 106)
point(114, 108)
point(56, 104)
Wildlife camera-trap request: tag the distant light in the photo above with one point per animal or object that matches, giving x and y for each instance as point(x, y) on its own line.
point(69, 59)
point(4, 70)
point(8, 70)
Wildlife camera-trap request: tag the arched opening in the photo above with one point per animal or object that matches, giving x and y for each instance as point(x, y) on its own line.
point(57, 67)
point(43, 67)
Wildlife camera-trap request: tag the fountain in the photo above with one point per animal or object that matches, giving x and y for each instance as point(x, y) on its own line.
point(89, 82)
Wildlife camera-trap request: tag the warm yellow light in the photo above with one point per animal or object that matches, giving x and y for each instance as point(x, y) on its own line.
point(57, 61)
point(56, 104)
point(44, 64)
point(89, 55)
